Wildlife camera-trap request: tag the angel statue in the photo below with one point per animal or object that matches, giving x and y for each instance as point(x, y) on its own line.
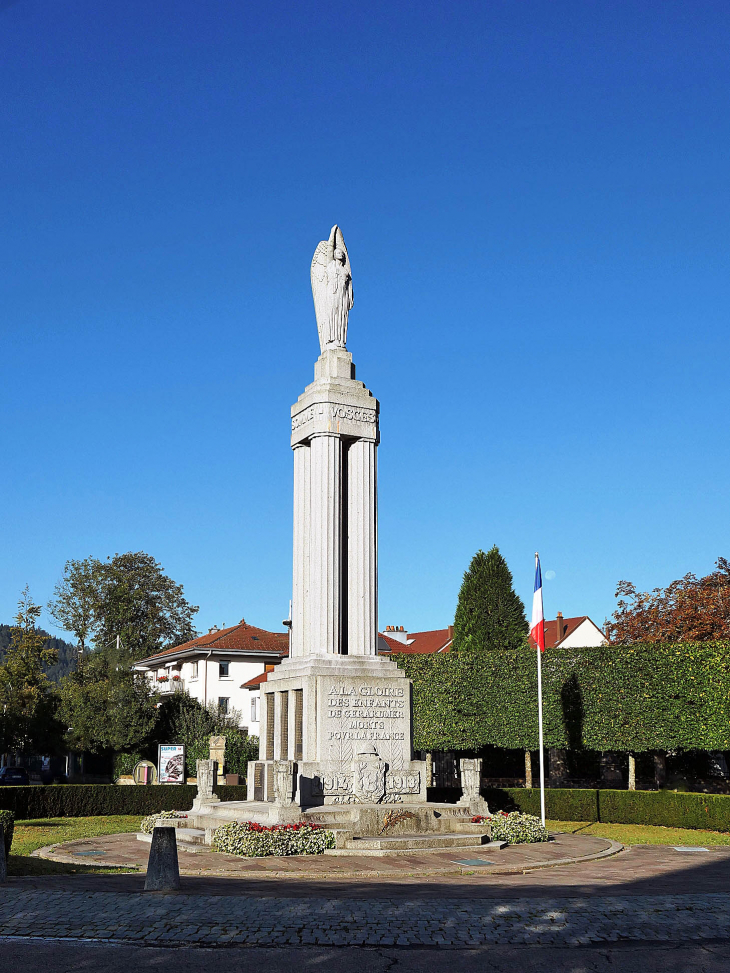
point(332, 290)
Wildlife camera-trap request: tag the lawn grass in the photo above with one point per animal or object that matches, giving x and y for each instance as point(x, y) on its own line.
point(642, 834)
point(33, 834)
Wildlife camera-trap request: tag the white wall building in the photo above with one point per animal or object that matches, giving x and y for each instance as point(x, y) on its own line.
point(214, 668)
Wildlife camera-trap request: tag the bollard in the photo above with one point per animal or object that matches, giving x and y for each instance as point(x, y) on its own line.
point(3, 860)
point(163, 873)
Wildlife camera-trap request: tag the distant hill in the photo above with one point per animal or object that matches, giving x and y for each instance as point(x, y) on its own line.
point(67, 653)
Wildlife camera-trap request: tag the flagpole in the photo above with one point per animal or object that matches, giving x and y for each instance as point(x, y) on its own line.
point(540, 647)
point(539, 730)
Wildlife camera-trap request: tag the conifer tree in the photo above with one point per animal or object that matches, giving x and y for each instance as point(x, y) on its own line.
point(489, 612)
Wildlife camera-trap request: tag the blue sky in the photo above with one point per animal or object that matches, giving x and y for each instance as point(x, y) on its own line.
point(535, 199)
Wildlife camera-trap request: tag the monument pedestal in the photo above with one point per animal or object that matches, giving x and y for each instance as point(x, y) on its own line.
point(342, 724)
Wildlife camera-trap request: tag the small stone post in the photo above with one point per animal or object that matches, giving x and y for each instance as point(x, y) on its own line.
point(3, 861)
point(632, 772)
point(163, 872)
point(429, 769)
point(471, 779)
point(205, 771)
point(528, 769)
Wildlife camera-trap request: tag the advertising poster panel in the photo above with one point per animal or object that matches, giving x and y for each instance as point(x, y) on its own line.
point(171, 763)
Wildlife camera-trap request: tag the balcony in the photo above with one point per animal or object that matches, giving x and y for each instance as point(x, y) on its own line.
point(171, 685)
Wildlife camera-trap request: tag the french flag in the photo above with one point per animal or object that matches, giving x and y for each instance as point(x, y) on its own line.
point(537, 629)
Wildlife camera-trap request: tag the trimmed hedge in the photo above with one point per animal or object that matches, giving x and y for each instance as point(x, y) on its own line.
point(662, 808)
point(630, 698)
point(88, 800)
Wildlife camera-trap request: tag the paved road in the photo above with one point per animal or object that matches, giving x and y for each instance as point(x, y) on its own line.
point(21, 957)
point(454, 923)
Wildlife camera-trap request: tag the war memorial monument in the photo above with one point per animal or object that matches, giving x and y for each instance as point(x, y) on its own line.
point(336, 740)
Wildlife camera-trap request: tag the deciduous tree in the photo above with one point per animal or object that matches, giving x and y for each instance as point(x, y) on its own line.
point(106, 706)
point(127, 596)
point(26, 697)
point(690, 609)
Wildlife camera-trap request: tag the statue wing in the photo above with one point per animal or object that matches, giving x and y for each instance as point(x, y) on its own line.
point(319, 284)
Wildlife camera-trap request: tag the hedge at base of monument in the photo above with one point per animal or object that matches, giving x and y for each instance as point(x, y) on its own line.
point(249, 840)
point(89, 800)
point(7, 823)
point(630, 698)
point(667, 809)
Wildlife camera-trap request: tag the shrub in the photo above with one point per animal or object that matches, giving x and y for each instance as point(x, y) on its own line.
point(666, 809)
point(87, 800)
point(251, 840)
point(561, 804)
point(148, 823)
point(124, 763)
point(660, 808)
point(7, 823)
point(517, 828)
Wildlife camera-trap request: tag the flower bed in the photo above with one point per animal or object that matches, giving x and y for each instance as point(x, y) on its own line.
point(517, 828)
point(250, 840)
point(148, 823)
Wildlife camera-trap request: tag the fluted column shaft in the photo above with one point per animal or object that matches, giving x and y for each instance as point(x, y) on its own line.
point(362, 555)
point(300, 586)
point(325, 545)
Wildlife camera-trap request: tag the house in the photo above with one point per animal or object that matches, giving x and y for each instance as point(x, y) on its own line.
point(229, 666)
point(216, 667)
point(572, 633)
point(578, 632)
point(396, 639)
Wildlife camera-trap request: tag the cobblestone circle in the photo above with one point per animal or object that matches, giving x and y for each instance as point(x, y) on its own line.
point(234, 920)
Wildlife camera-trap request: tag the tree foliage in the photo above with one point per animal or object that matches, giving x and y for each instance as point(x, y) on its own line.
point(182, 719)
point(640, 697)
point(26, 698)
point(106, 706)
point(65, 653)
point(128, 596)
point(690, 609)
point(489, 611)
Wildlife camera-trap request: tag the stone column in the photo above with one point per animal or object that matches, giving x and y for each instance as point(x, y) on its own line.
point(302, 453)
point(325, 562)
point(362, 556)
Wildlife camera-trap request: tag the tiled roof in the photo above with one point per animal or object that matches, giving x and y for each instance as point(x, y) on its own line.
point(420, 643)
point(256, 681)
point(553, 637)
point(239, 638)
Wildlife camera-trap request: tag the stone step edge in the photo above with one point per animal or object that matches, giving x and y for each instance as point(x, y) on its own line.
point(387, 852)
point(436, 840)
point(193, 844)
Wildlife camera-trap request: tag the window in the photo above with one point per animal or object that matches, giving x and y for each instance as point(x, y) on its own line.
point(223, 704)
point(223, 670)
point(193, 670)
point(254, 709)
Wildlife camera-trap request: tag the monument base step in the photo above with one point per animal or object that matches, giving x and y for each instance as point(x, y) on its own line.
point(191, 840)
point(414, 847)
point(415, 842)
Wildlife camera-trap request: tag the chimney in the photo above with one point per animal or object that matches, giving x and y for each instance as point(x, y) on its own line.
point(560, 628)
point(451, 631)
point(398, 633)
